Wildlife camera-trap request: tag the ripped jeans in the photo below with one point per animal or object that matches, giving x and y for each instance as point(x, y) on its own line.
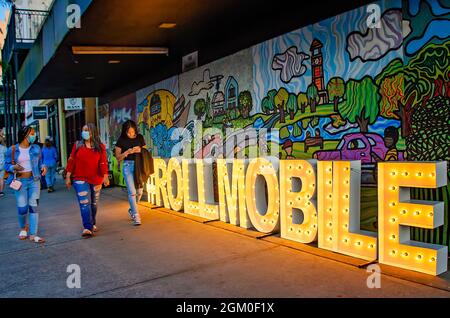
point(88, 196)
point(27, 199)
point(134, 196)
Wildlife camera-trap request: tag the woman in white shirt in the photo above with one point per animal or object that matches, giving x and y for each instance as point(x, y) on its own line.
point(24, 162)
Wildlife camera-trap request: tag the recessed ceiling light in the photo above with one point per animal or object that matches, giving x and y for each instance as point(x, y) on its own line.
point(90, 50)
point(89, 77)
point(113, 62)
point(167, 25)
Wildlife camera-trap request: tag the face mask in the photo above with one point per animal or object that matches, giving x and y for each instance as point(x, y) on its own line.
point(31, 139)
point(85, 135)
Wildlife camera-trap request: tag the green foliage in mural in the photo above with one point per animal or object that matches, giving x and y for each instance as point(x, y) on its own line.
point(291, 105)
point(335, 89)
point(430, 127)
point(284, 132)
point(268, 102)
point(200, 108)
point(360, 104)
point(313, 96)
point(302, 101)
point(305, 122)
point(280, 100)
point(245, 103)
point(426, 75)
point(297, 131)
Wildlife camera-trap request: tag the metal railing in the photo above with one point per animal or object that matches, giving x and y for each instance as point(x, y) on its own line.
point(23, 28)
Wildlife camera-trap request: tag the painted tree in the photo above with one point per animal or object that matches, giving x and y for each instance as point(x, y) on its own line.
point(424, 77)
point(313, 96)
point(280, 100)
point(291, 105)
point(302, 102)
point(209, 111)
point(391, 92)
point(360, 104)
point(200, 108)
point(335, 89)
point(268, 103)
point(245, 103)
point(396, 102)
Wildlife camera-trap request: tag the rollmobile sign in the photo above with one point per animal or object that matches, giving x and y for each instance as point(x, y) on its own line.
point(311, 201)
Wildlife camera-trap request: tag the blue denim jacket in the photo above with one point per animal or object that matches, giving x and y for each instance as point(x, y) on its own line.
point(35, 157)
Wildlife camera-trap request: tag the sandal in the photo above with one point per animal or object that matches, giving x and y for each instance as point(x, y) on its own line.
point(87, 233)
point(23, 235)
point(37, 239)
point(94, 228)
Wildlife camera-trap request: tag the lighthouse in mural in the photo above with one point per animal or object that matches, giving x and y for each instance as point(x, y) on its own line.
point(317, 70)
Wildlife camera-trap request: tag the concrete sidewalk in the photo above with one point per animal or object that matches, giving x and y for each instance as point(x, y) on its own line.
point(168, 256)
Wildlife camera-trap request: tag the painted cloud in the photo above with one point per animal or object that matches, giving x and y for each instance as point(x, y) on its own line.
point(377, 42)
point(205, 84)
point(290, 63)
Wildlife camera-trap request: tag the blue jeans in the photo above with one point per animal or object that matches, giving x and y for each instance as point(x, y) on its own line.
point(88, 196)
point(50, 176)
point(134, 196)
point(27, 199)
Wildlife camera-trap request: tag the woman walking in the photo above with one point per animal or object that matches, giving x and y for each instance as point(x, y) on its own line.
point(3, 150)
point(88, 167)
point(50, 159)
point(130, 143)
point(24, 163)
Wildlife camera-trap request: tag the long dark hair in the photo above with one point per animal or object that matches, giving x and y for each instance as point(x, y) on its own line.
point(23, 133)
point(95, 137)
point(127, 125)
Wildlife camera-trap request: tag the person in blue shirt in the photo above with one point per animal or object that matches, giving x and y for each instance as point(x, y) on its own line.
point(50, 160)
point(24, 163)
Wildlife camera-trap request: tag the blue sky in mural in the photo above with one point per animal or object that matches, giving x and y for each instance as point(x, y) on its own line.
point(3, 12)
point(336, 58)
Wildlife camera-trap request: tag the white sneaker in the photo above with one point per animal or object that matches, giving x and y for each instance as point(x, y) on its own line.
point(137, 220)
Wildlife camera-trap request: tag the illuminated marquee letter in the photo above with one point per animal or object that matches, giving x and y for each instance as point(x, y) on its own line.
point(175, 184)
point(298, 212)
point(231, 184)
point(190, 188)
point(396, 213)
point(160, 183)
point(348, 238)
point(325, 204)
point(151, 189)
point(208, 208)
point(258, 170)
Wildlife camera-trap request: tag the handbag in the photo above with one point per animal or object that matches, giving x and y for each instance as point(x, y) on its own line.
point(15, 184)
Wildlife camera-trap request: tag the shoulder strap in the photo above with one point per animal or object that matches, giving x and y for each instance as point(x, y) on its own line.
point(79, 144)
point(13, 150)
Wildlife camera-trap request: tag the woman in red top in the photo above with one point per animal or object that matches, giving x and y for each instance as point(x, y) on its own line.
point(89, 168)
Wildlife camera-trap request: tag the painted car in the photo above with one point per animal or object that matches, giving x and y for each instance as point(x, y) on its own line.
point(357, 146)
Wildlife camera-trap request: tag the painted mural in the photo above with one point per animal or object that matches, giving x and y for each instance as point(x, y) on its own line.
point(426, 98)
point(158, 109)
point(346, 88)
point(120, 111)
point(219, 95)
point(103, 128)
